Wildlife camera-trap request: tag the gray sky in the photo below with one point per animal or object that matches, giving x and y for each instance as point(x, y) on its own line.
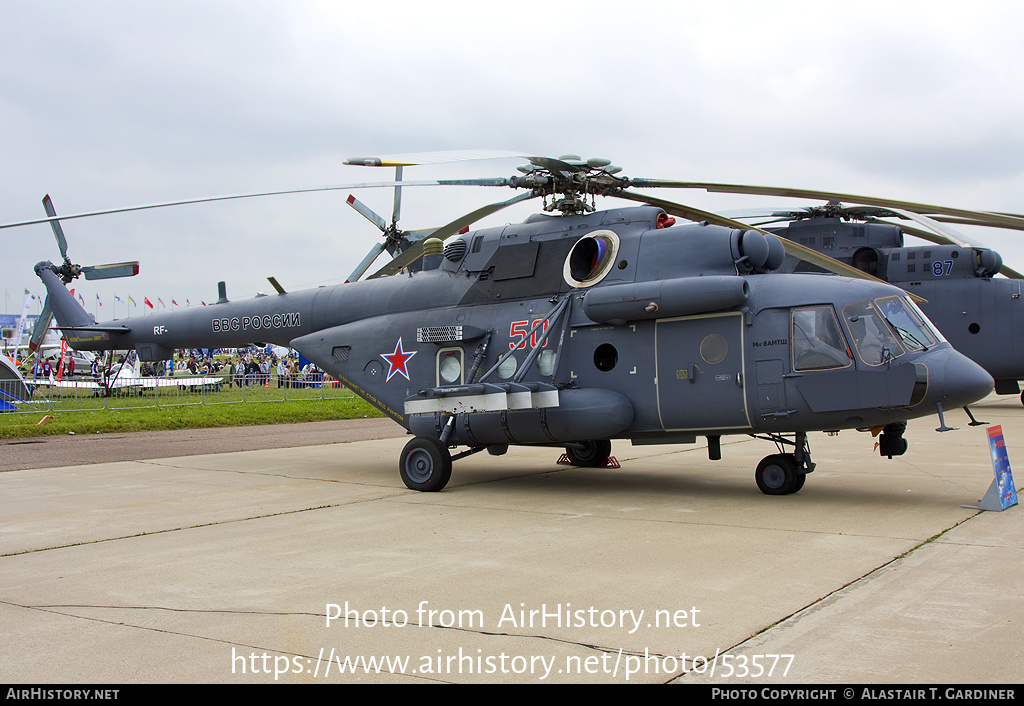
point(106, 104)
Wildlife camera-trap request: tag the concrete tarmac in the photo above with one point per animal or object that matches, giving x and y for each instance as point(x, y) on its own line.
point(222, 567)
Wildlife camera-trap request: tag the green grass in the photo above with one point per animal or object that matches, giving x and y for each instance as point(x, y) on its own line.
point(192, 416)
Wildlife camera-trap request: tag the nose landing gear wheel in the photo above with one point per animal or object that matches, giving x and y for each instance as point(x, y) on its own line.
point(777, 475)
point(425, 465)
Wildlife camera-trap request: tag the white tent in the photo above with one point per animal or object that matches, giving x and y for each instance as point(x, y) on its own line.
point(13, 389)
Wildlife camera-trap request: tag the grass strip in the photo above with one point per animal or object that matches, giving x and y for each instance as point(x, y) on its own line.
point(196, 416)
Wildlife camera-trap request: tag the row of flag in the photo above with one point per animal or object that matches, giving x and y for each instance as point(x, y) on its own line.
point(30, 297)
point(145, 301)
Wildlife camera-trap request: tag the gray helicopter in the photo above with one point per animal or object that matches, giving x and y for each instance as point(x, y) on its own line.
point(580, 325)
point(954, 276)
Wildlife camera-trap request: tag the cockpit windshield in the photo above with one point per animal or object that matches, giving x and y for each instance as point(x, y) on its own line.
point(880, 331)
point(872, 339)
point(906, 323)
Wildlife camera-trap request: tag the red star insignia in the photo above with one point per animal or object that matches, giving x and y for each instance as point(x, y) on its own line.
point(398, 361)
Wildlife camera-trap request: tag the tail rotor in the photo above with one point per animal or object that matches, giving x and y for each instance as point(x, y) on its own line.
point(68, 271)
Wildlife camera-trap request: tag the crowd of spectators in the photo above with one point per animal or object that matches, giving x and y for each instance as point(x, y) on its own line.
point(244, 368)
point(255, 368)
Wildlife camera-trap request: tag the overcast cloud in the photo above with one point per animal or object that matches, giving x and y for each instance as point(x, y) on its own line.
point(106, 104)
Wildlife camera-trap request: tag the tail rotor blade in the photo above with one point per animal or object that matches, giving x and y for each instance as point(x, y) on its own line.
point(42, 324)
point(69, 271)
point(58, 232)
point(364, 265)
point(367, 213)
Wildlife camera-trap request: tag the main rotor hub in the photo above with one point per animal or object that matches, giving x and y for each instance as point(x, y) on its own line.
point(834, 209)
point(569, 180)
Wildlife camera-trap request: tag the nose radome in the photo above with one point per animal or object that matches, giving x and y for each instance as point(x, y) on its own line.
point(966, 382)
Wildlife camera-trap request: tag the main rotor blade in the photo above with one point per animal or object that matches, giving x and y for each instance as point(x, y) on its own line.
point(982, 217)
point(784, 214)
point(412, 159)
point(825, 262)
point(412, 254)
point(396, 210)
point(420, 158)
point(973, 222)
point(555, 166)
point(111, 271)
point(474, 216)
point(780, 219)
point(276, 285)
point(400, 261)
point(794, 249)
point(413, 235)
point(937, 233)
point(1009, 272)
point(58, 233)
point(688, 212)
point(500, 181)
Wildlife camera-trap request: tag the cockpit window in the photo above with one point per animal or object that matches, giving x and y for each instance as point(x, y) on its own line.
point(818, 343)
point(905, 322)
point(872, 339)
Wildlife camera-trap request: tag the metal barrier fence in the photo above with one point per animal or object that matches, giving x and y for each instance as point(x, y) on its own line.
point(84, 394)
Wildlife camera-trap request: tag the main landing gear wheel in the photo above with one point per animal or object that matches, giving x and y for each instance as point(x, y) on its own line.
point(425, 465)
point(777, 475)
point(800, 479)
point(593, 454)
